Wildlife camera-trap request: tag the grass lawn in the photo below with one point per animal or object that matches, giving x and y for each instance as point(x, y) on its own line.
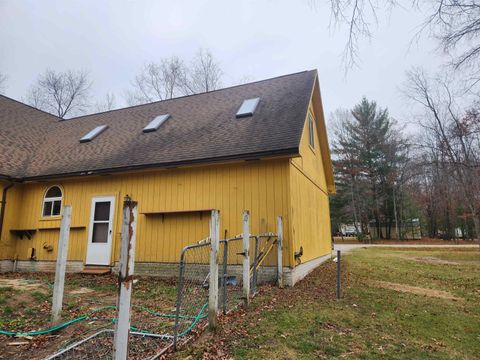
point(397, 303)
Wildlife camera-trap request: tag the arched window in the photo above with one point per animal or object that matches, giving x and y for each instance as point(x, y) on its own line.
point(52, 202)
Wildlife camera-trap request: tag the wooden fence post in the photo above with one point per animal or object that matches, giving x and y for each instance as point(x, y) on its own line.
point(246, 257)
point(61, 266)
point(125, 278)
point(280, 251)
point(213, 285)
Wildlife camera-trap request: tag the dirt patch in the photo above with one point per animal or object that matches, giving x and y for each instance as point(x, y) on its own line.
point(423, 259)
point(434, 261)
point(82, 290)
point(23, 284)
point(416, 290)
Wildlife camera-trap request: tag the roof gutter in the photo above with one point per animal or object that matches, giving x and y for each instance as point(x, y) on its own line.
point(252, 156)
point(8, 178)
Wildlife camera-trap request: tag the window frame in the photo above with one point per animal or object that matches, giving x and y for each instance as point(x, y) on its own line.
point(52, 201)
point(311, 131)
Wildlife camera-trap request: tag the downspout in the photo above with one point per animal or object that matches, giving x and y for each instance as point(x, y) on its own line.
point(2, 208)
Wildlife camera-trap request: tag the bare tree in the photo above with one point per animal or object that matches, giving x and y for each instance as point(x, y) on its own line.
point(203, 75)
point(171, 77)
point(106, 104)
point(61, 93)
point(454, 137)
point(3, 82)
point(357, 16)
point(157, 81)
point(455, 23)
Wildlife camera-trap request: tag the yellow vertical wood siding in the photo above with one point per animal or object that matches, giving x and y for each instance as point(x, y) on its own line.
point(260, 186)
point(7, 238)
point(310, 212)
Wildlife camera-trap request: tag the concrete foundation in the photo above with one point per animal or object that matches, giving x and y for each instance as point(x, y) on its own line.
point(171, 270)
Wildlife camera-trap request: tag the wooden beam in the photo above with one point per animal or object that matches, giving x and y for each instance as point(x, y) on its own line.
point(125, 278)
point(213, 286)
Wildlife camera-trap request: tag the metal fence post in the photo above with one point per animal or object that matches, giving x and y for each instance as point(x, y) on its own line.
point(280, 251)
point(224, 275)
point(213, 286)
point(255, 263)
point(339, 276)
point(61, 266)
point(246, 257)
point(179, 298)
point(125, 278)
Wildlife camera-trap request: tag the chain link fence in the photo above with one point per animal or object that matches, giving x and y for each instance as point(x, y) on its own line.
point(194, 274)
point(153, 332)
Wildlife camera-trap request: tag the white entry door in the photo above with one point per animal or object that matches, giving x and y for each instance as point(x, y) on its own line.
point(99, 247)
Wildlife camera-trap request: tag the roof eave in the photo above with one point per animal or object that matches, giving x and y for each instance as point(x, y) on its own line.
point(290, 152)
point(323, 137)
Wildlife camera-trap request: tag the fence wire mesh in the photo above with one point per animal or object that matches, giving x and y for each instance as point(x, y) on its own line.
point(99, 345)
point(230, 289)
point(192, 288)
point(152, 319)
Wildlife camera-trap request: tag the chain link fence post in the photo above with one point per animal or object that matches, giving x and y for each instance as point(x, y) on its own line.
point(255, 265)
point(280, 251)
point(339, 276)
point(246, 257)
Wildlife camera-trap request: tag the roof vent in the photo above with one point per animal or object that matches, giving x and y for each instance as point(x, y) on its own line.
point(156, 123)
point(248, 107)
point(94, 133)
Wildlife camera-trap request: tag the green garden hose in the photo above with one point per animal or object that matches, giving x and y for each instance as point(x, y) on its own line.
point(195, 318)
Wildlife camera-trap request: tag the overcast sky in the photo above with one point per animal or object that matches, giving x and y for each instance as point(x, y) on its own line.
point(257, 39)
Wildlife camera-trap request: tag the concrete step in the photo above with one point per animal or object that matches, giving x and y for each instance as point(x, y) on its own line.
point(96, 270)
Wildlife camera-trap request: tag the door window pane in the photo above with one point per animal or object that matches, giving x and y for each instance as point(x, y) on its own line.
point(102, 211)
point(100, 233)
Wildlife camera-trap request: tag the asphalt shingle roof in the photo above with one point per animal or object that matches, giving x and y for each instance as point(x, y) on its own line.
point(201, 128)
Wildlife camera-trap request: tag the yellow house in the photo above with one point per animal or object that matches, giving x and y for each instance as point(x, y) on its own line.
point(260, 146)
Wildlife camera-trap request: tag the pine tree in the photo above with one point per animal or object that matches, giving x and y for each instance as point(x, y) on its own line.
point(369, 151)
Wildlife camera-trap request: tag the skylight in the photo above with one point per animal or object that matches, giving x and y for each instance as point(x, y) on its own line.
point(93, 133)
point(248, 107)
point(156, 123)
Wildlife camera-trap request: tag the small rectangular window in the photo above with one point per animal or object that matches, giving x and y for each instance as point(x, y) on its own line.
point(47, 208)
point(57, 205)
point(311, 131)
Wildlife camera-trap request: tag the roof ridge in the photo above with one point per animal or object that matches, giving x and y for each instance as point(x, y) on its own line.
point(187, 96)
point(31, 107)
